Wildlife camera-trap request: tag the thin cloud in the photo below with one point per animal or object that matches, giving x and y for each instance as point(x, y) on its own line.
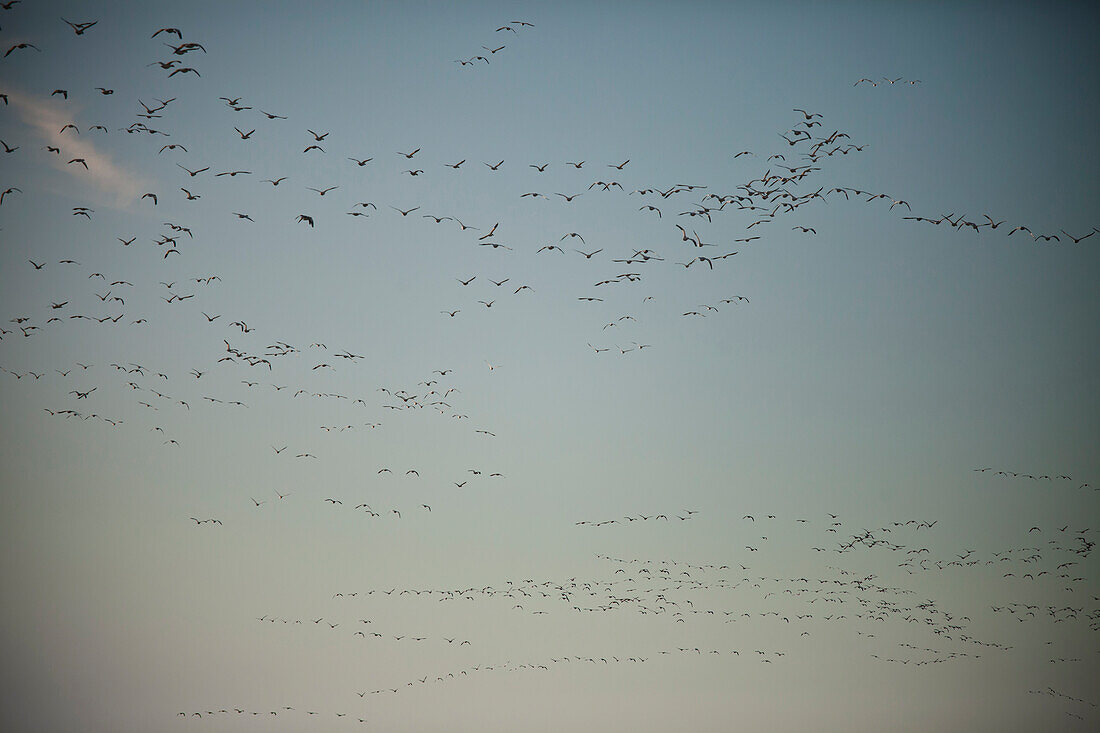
point(47, 117)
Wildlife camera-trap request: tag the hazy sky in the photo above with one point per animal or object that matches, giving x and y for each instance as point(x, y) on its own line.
point(737, 417)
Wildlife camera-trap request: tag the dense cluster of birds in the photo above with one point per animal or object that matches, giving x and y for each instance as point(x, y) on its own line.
point(780, 197)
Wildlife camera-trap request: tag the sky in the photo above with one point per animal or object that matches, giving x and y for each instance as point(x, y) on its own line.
point(746, 380)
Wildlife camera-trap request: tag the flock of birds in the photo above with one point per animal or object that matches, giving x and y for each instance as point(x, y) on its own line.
point(887, 80)
point(1032, 477)
point(834, 600)
point(514, 27)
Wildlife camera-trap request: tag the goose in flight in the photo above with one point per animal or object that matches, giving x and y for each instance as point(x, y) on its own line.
point(20, 46)
point(184, 48)
point(1077, 240)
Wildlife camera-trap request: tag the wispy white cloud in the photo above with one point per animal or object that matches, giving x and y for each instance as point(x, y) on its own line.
point(48, 117)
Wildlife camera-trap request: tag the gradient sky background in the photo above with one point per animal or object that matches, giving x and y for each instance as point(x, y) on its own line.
point(874, 366)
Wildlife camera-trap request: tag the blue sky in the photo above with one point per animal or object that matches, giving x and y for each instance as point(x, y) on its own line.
point(838, 379)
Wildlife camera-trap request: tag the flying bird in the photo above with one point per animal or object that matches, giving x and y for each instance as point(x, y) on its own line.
point(21, 46)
